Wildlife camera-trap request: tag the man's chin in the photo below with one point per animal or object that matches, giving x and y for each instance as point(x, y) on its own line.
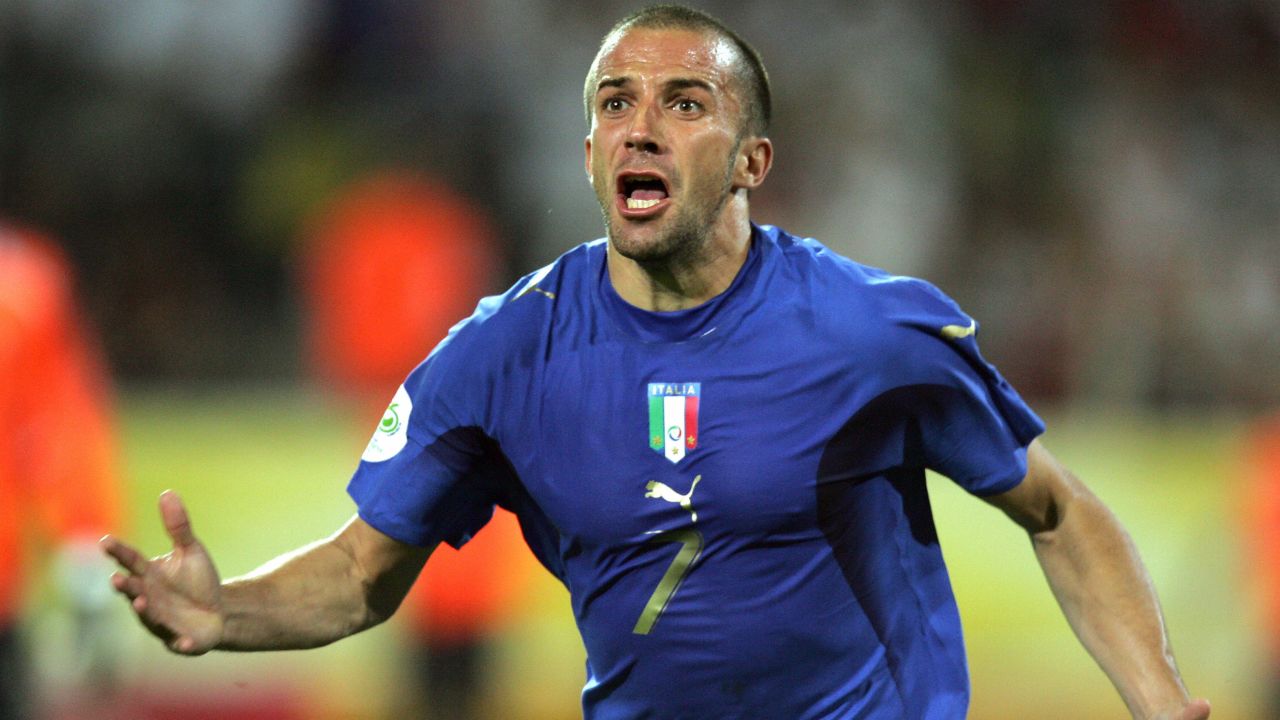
point(643, 242)
point(658, 256)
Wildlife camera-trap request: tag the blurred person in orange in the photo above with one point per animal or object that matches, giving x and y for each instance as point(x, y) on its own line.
point(389, 265)
point(1261, 508)
point(59, 489)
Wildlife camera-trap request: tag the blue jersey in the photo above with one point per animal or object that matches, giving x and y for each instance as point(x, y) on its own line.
point(733, 494)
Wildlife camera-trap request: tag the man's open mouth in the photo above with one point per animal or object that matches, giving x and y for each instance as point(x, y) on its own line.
point(641, 191)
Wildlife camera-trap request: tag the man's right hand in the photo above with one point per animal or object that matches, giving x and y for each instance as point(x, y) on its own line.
point(178, 595)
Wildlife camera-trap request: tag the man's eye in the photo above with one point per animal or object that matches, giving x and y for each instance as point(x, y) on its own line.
point(688, 106)
point(613, 105)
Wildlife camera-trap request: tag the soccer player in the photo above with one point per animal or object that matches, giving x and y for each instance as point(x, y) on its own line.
point(715, 433)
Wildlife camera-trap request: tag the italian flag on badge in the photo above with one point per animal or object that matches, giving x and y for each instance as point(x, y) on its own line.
point(673, 419)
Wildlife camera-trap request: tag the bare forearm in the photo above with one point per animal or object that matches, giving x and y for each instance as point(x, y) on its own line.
point(1108, 598)
point(306, 598)
point(309, 597)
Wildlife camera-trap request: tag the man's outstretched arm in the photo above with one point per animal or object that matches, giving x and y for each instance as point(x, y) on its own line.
point(1104, 590)
point(312, 596)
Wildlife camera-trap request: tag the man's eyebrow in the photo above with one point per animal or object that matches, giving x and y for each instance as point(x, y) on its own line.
point(672, 84)
point(615, 82)
point(684, 83)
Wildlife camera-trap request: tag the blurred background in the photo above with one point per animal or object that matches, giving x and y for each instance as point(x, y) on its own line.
point(261, 215)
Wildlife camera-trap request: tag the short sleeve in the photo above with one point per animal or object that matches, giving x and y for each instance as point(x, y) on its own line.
point(428, 473)
point(977, 431)
point(964, 419)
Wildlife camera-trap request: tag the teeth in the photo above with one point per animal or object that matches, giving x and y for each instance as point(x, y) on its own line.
point(633, 204)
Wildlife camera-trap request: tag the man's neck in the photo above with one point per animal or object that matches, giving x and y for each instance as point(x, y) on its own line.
point(685, 282)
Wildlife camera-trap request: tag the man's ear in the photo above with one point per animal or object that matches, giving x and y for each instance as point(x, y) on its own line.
point(755, 157)
point(588, 163)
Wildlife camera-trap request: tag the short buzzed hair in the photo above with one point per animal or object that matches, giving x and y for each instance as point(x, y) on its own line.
point(749, 70)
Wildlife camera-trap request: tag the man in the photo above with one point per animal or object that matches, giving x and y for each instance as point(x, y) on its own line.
point(414, 253)
point(714, 433)
point(59, 482)
point(1260, 508)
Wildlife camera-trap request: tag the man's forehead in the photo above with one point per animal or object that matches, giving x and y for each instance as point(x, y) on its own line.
point(657, 49)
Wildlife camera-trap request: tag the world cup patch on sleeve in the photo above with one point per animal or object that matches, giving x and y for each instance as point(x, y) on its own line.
point(393, 430)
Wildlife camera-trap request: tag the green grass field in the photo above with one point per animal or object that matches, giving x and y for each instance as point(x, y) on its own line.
point(263, 470)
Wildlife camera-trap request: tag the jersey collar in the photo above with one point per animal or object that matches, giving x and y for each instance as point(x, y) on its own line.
point(691, 324)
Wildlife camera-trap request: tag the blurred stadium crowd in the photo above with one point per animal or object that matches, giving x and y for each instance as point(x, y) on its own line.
point(1097, 182)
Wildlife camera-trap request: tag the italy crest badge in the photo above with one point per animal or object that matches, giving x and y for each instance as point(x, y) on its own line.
point(673, 419)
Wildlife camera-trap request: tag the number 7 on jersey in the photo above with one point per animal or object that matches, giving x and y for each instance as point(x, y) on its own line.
point(691, 548)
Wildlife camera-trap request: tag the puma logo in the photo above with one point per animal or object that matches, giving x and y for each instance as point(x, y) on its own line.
point(662, 491)
point(955, 332)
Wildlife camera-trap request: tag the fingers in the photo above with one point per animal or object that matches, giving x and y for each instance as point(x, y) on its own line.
point(1198, 709)
point(128, 558)
point(183, 646)
point(154, 626)
point(154, 598)
point(131, 586)
point(176, 522)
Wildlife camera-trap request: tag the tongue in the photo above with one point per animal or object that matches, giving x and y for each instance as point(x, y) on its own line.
point(648, 194)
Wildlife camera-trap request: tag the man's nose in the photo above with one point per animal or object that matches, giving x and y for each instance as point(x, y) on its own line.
point(645, 132)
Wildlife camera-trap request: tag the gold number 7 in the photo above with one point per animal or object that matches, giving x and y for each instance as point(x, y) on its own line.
point(691, 542)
